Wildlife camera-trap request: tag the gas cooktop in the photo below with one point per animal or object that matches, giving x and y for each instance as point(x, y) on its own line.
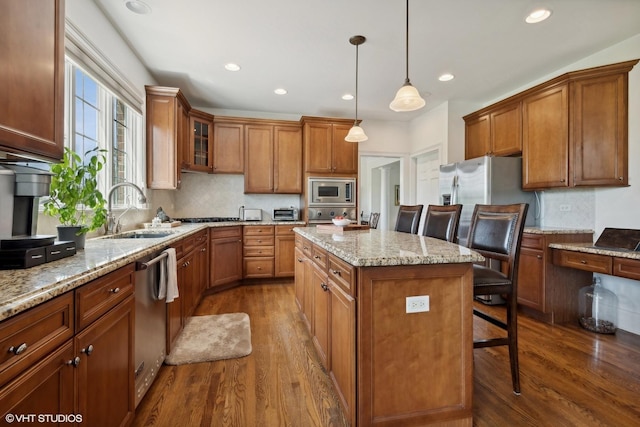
point(209, 219)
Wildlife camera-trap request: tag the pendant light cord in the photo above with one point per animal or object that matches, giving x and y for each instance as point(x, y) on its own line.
point(406, 79)
point(356, 122)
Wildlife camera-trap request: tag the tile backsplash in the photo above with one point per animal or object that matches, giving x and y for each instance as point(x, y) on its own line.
point(567, 208)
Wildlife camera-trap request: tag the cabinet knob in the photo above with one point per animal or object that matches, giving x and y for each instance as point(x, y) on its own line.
point(324, 286)
point(259, 268)
point(114, 290)
point(539, 256)
point(336, 272)
point(19, 349)
point(583, 261)
point(87, 350)
point(562, 180)
point(620, 178)
point(299, 259)
point(74, 362)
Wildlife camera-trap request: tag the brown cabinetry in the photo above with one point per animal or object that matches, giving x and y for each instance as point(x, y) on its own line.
point(167, 123)
point(284, 261)
point(546, 291)
point(321, 312)
point(325, 150)
point(73, 354)
point(226, 256)
point(32, 111)
point(199, 158)
point(273, 159)
point(258, 251)
point(494, 131)
point(228, 147)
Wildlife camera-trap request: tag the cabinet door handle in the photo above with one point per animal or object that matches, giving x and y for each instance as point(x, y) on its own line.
point(19, 349)
point(336, 272)
point(88, 350)
point(114, 290)
point(299, 259)
point(539, 256)
point(324, 287)
point(583, 261)
point(620, 178)
point(316, 257)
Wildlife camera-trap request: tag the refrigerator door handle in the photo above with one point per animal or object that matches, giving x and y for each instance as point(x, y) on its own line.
point(454, 190)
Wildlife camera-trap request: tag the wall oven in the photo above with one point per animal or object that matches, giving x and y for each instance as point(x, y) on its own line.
point(336, 192)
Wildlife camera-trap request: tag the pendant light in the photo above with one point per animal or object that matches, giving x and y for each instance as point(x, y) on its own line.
point(356, 133)
point(407, 98)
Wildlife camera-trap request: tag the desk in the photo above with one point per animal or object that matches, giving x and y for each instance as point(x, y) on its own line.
point(597, 260)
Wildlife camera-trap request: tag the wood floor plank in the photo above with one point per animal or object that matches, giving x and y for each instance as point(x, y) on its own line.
point(569, 376)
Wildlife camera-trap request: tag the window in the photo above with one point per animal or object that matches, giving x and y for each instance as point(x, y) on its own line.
point(98, 118)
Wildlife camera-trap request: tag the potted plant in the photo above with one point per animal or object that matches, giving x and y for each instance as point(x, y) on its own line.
point(74, 196)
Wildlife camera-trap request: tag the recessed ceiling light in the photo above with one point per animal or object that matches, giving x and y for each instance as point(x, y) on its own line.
point(137, 6)
point(280, 91)
point(347, 97)
point(231, 67)
point(538, 15)
point(446, 77)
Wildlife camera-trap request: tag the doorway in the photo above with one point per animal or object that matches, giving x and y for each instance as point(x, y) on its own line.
point(379, 182)
point(427, 177)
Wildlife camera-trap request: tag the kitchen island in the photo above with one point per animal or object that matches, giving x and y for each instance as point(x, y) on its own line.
point(393, 358)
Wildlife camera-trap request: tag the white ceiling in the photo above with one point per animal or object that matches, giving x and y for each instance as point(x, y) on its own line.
point(303, 46)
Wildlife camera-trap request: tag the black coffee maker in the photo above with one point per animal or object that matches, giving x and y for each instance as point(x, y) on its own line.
point(20, 246)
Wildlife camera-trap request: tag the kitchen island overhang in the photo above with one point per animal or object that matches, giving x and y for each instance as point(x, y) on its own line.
point(408, 368)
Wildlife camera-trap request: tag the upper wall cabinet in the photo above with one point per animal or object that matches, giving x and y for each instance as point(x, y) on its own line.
point(273, 157)
point(495, 131)
point(32, 107)
point(167, 136)
point(572, 130)
point(325, 150)
point(228, 146)
point(199, 156)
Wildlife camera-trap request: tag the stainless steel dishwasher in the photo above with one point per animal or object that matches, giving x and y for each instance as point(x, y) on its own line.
point(150, 319)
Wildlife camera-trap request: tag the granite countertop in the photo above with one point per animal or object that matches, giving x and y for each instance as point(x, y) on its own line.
point(26, 288)
point(589, 248)
point(556, 230)
point(378, 248)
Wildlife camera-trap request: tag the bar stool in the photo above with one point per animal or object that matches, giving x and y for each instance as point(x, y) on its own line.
point(442, 222)
point(495, 233)
point(408, 218)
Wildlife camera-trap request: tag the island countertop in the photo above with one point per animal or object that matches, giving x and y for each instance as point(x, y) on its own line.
point(380, 248)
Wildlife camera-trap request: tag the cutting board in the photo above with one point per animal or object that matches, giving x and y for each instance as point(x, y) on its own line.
point(330, 228)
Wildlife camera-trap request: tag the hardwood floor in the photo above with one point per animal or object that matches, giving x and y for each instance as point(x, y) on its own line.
point(569, 376)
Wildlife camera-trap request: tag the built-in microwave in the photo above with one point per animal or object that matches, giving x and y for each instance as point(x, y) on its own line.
point(332, 192)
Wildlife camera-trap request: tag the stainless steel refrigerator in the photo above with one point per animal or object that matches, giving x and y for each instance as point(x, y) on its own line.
point(484, 180)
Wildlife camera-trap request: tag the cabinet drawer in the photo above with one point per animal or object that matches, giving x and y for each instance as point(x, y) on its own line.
point(625, 267)
point(201, 237)
point(259, 240)
point(304, 245)
point(224, 232)
point(258, 267)
point(583, 261)
point(29, 336)
point(532, 241)
point(251, 251)
point(342, 273)
point(259, 230)
point(319, 257)
point(99, 296)
point(285, 230)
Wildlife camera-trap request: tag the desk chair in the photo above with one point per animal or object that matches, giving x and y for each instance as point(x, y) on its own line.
point(408, 219)
point(442, 222)
point(495, 233)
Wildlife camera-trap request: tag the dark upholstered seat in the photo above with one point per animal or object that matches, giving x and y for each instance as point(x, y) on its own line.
point(408, 218)
point(442, 222)
point(496, 232)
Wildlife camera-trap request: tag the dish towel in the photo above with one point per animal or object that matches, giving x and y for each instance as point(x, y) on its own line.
point(168, 287)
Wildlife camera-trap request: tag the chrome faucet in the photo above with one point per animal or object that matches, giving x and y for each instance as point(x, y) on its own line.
point(112, 225)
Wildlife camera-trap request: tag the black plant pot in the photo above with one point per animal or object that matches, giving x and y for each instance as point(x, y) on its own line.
point(69, 233)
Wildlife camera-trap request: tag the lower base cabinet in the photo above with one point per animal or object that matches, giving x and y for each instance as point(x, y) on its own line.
point(88, 378)
point(226, 256)
point(546, 291)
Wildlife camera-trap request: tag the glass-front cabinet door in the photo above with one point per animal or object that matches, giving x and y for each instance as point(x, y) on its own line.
point(200, 142)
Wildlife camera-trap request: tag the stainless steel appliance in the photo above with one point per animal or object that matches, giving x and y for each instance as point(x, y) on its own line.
point(150, 323)
point(20, 247)
point(252, 215)
point(331, 192)
point(484, 180)
point(286, 214)
point(324, 215)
